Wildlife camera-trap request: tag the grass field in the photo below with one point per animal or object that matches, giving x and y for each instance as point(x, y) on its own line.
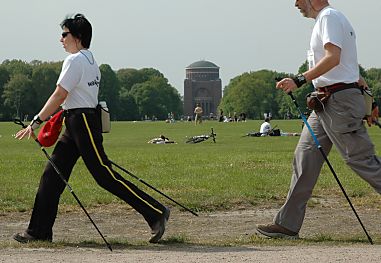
point(234, 171)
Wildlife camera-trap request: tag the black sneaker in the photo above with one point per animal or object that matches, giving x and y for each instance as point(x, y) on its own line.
point(24, 237)
point(159, 228)
point(276, 231)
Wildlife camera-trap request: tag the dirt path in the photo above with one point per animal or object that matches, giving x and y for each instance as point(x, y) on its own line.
point(211, 237)
point(191, 254)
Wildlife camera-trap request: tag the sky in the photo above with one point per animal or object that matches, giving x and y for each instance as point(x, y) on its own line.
point(237, 35)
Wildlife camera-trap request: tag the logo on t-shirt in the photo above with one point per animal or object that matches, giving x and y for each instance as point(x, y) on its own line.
point(94, 82)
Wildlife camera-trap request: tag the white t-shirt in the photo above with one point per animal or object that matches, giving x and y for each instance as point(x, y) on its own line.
point(265, 128)
point(80, 77)
point(333, 27)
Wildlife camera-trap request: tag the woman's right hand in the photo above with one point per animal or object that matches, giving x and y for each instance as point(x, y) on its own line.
point(28, 131)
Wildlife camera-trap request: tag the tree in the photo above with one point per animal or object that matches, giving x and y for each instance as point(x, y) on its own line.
point(18, 67)
point(109, 89)
point(44, 78)
point(152, 94)
point(373, 79)
point(253, 93)
point(18, 95)
point(303, 68)
point(129, 77)
point(4, 78)
point(373, 74)
point(128, 110)
point(156, 97)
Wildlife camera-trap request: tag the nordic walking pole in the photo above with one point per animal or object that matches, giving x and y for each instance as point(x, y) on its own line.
point(329, 164)
point(19, 122)
point(153, 188)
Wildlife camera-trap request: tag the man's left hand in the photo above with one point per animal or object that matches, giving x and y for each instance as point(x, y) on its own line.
point(373, 118)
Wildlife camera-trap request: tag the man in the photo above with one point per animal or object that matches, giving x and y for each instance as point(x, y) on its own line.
point(265, 127)
point(333, 67)
point(198, 114)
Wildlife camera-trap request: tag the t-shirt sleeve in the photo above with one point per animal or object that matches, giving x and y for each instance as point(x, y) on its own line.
point(70, 74)
point(332, 30)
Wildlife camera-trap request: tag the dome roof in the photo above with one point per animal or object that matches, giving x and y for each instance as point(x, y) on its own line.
point(202, 64)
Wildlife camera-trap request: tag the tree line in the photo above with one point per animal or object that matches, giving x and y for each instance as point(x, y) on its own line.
point(133, 94)
point(254, 93)
point(130, 94)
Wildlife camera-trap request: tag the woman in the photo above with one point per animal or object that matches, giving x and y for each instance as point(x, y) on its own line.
point(77, 93)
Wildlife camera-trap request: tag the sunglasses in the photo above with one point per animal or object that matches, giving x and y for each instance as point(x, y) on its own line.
point(64, 34)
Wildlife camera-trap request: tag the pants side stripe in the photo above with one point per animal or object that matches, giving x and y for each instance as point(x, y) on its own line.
point(109, 170)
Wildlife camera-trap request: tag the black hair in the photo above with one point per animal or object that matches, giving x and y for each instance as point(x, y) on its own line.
point(80, 28)
point(163, 137)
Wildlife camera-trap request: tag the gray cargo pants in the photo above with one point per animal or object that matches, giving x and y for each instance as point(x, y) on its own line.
point(340, 124)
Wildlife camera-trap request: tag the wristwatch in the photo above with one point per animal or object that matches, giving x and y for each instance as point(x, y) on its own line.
point(299, 80)
point(36, 122)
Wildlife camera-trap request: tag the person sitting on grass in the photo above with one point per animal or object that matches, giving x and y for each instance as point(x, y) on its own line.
point(265, 127)
point(161, 140)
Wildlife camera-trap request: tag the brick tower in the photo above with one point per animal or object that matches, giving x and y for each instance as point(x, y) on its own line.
point(202, 85)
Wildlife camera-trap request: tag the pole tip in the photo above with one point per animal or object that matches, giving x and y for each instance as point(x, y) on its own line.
point(109, 247)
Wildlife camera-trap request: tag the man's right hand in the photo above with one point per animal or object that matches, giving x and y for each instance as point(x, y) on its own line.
point(287, 85)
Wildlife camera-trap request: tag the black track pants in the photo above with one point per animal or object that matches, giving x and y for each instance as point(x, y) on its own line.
point(83, 137)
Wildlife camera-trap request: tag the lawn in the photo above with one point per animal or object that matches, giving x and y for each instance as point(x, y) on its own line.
point(234, 171)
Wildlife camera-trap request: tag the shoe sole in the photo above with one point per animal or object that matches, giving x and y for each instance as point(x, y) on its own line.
point(159, 234)
point(277, 235)
point(21, 239)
